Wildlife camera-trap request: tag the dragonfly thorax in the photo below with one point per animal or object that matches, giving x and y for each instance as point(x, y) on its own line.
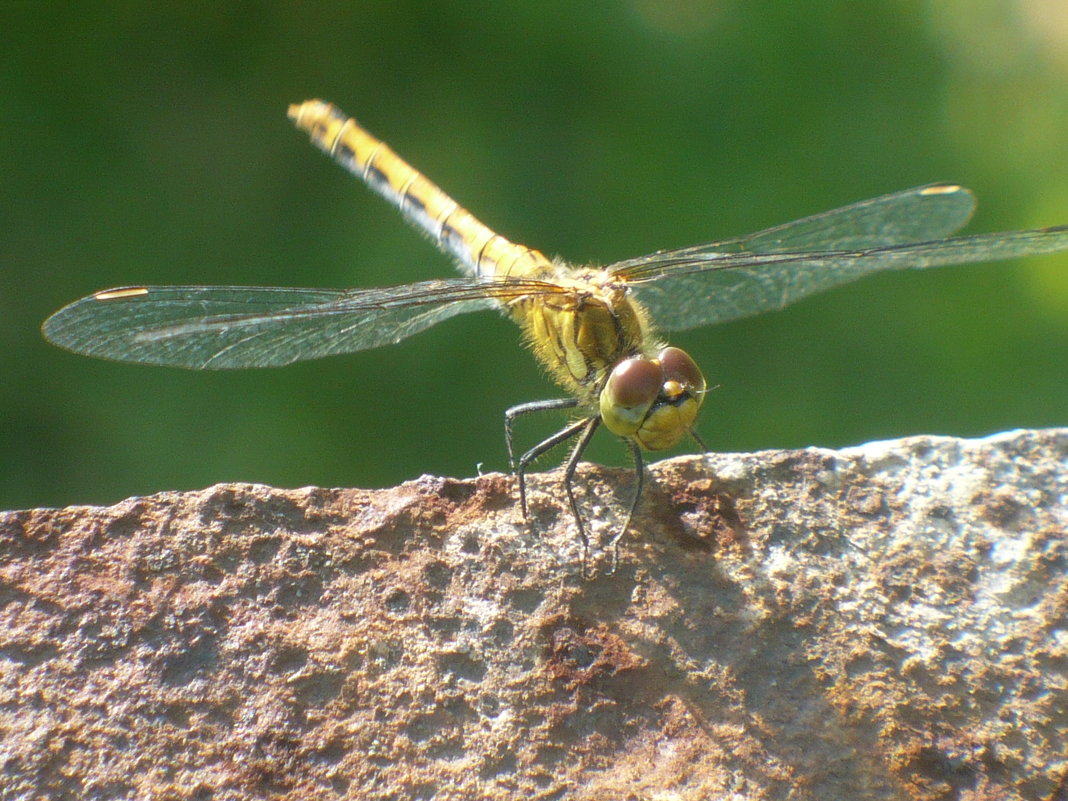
point(583, 331)
point(653, 401)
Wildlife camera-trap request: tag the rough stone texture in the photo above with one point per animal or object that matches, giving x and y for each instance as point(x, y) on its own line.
point(886, 621)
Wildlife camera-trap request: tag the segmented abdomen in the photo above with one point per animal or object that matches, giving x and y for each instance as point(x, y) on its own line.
point(452, 228)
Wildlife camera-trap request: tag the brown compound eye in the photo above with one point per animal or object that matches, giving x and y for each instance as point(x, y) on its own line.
point(678, 366)
point(629, 393)
point(635, 382)
point(682, 392)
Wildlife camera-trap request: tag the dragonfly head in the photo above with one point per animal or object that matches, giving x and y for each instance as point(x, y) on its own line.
point(654, 401)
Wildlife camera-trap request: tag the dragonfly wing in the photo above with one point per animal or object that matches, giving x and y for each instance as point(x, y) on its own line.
point(927, 212)
point(706, 288)
point(921, 214)
point(231, 327)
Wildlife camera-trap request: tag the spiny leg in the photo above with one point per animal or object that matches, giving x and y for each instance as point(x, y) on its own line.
point(538, 450)
point(639, 485)
point(588, 427)
point(510, 416)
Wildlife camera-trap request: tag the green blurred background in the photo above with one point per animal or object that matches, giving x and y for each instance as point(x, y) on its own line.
point(147, 143)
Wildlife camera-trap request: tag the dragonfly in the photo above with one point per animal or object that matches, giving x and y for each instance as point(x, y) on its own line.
point(594, 329)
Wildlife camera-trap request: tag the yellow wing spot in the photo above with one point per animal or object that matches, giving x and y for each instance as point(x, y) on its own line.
point(942, 189)
point(113, 294)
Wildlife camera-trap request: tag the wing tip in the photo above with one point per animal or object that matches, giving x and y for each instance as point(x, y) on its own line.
point(122, 292)
point(943, 189)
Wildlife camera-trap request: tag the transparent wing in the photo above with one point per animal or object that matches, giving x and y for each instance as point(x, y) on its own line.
point(913, 215)
point(717, 288)
point(203, 327)
point(770, 269)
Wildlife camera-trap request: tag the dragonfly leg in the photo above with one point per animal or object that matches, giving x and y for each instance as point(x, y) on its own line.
point(538, 450)
point(510, 416)
point(699, 441)
point(588, 427)
point(639, 485)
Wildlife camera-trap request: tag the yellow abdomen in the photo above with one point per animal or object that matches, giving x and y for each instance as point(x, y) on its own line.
point(477, 249)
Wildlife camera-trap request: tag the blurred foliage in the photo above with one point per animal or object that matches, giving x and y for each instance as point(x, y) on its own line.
point(147, 143)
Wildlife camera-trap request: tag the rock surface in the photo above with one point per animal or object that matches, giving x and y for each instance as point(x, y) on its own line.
point(888, 621)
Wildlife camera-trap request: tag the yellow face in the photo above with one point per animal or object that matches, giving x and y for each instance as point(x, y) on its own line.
point(653, 401)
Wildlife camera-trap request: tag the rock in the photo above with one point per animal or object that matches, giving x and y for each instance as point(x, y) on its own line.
point(881, 622)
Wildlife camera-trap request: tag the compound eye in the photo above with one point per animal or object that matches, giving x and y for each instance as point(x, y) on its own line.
point(680, 398)
point(629, 393)
point(635, 382)
point(678, 366)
